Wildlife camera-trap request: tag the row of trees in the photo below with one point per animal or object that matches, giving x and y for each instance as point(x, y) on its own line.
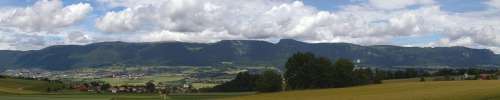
point(303, 71)
point(268, 81)
point(470, 71)
point(306, 71)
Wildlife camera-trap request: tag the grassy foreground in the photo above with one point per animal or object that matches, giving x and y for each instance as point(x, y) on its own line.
point(406, 89)
point(395, 90)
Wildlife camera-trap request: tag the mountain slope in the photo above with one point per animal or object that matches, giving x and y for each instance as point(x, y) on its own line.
point(239, 52)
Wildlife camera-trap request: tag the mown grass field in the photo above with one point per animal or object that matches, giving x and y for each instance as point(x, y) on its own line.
point(408, 89)
point(405, 89)
point(17, 86)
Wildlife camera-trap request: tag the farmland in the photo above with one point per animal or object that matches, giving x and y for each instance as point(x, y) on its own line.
point(117, 97)
point(16, 86)
point(404, 89)
point(18, 89)
point(395, 90)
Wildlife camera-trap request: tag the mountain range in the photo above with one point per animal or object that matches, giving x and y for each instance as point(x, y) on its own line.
point(239, 52)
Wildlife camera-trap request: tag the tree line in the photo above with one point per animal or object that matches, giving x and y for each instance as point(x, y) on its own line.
point(306, 71)
point(303, 71)
point(267, 81)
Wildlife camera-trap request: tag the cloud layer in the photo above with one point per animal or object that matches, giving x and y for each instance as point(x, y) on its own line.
point(369, 22)
point(44, 15)
point(373, 22)
point(39, 25)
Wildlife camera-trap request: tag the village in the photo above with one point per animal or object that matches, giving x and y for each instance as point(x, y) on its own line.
point(175, 79)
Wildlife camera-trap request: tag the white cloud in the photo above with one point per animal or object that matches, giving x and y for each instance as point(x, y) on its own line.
point(43, 24)
point(78, 38)
point(494, 3)
point(367, 23)
point(259, 19)
point(127, 3)
point(398, 4)
point(213, 20)
point(44, 15)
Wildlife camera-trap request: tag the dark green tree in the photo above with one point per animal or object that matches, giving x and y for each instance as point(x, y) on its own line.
point(150, 86)
point(105, 86)
point(300, 70)
point(244, 81)
point(305, 71)
point(326, 73)
point(269, 81)
point(344, 73)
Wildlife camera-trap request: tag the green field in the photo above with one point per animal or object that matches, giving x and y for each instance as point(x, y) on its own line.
point(141, 81)
point(395, 90)
point(17, 86)
point(405, 89)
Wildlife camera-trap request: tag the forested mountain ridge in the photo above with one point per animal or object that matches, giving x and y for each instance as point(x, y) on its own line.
point(239, 52)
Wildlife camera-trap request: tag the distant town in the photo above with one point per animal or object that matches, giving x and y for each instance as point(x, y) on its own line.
point(134, 78)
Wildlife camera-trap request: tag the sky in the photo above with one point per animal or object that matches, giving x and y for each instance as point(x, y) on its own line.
point(36, 24)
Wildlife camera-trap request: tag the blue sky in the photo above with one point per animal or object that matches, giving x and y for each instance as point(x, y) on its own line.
point(470, 23)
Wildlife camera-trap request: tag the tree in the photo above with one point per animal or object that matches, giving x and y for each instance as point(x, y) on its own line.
point(326, 73)
point(244, 81)
point(305, 71)
point(269, 81)
point(298, 74)
point(96, 86)
point(344, 72)
point(105, 86)
point(410, 73)
point(150, 86)
point(364, 76)
point(54, 86)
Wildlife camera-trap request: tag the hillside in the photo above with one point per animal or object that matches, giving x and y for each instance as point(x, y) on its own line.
point(444, 90)
point(239, 52)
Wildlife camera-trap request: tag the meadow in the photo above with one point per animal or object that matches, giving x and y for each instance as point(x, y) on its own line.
point(17, 86)
point(407, 89)
point(404, 89)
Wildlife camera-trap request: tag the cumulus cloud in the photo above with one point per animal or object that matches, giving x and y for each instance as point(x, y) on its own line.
point(494, 3)
point(212, 20)
point(78, 37)
point(372, 22)
point(44, 15)
point(189, 20)
point(369, 22)
point(40, 25)
point(398, 4)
